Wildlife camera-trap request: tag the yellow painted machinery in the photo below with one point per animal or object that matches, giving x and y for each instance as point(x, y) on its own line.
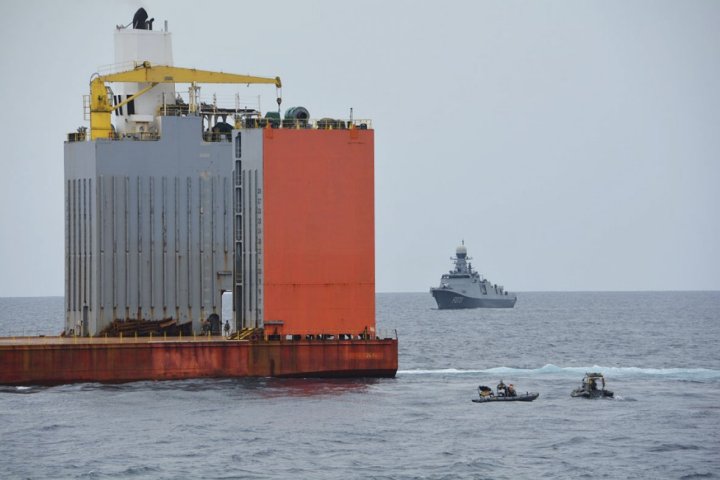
point(101, 107)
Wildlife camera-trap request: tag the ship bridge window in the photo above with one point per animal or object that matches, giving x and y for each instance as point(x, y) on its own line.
point(446, 276)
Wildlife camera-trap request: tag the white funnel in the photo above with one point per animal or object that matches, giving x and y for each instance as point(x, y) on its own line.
point(132, 47)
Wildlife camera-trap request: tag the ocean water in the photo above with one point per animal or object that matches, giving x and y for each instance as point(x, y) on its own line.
point(660, 353)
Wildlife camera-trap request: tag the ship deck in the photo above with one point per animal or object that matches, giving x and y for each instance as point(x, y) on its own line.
point(57, 340)
point(27, 341)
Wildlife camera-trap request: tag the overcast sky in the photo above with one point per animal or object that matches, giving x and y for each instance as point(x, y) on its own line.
point(573, 145)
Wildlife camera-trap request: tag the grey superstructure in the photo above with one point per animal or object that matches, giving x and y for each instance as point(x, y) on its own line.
point(463, 287)
point(148, 227)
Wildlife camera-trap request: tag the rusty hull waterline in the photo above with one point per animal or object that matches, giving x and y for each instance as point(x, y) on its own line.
point(54, 360)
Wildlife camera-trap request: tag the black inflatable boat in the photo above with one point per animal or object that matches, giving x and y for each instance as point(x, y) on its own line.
point(589, 388)
point(487, 395)
point(525, 397)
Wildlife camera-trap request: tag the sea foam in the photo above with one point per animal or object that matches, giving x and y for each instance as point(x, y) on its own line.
point(549, 369)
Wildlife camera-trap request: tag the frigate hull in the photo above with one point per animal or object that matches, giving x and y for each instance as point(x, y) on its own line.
point(448, 299)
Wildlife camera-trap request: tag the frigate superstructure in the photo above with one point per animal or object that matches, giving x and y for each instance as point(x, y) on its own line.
point(463, 287)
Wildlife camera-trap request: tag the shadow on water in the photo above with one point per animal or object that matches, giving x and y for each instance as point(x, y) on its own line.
point(260, 387)
point(307, 387)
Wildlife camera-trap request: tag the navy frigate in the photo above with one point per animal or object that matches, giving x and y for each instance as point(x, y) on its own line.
point(463, 287)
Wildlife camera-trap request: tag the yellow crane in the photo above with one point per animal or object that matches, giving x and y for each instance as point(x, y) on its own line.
point(101, 107)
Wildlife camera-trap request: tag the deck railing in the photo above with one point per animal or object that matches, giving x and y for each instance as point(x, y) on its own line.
point(245, 123)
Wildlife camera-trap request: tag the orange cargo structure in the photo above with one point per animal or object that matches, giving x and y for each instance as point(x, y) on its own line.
point(305, 262)
point(319, 240)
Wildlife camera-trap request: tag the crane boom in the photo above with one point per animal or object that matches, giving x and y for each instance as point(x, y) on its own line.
point(101, 108)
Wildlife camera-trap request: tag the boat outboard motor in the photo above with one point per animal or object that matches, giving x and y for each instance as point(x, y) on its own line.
point(140, 20)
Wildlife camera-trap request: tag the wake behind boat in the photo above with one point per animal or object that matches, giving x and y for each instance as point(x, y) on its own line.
point(465, 288)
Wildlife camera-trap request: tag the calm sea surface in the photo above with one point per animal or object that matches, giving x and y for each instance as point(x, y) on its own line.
point(660, 353)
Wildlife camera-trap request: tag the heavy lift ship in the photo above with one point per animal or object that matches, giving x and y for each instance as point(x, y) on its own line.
point(169, 206)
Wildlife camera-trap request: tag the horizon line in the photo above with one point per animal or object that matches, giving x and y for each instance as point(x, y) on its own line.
point(518, 292)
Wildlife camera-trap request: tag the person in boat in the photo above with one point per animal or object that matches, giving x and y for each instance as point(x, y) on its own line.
point(593, 385)
point(485, 391)
point(501, 389)
point(511, 391)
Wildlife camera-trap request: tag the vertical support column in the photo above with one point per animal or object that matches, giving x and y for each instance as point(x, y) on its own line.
point(82, 298)
point(176, 240)
point(72, 304)
point(127, 301)
point(113, 238)
point(238, 304)
point(140, 260)
point(102, 235)
point(68, 277)
point(91, 227)
point(201, 245)
point(258, 250)
point(212, 270)
point(152, 277)
point(188, 245)
point(164, 262)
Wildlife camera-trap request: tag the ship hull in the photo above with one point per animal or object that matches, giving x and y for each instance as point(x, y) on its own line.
point(451, 300)
point(54, 360)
